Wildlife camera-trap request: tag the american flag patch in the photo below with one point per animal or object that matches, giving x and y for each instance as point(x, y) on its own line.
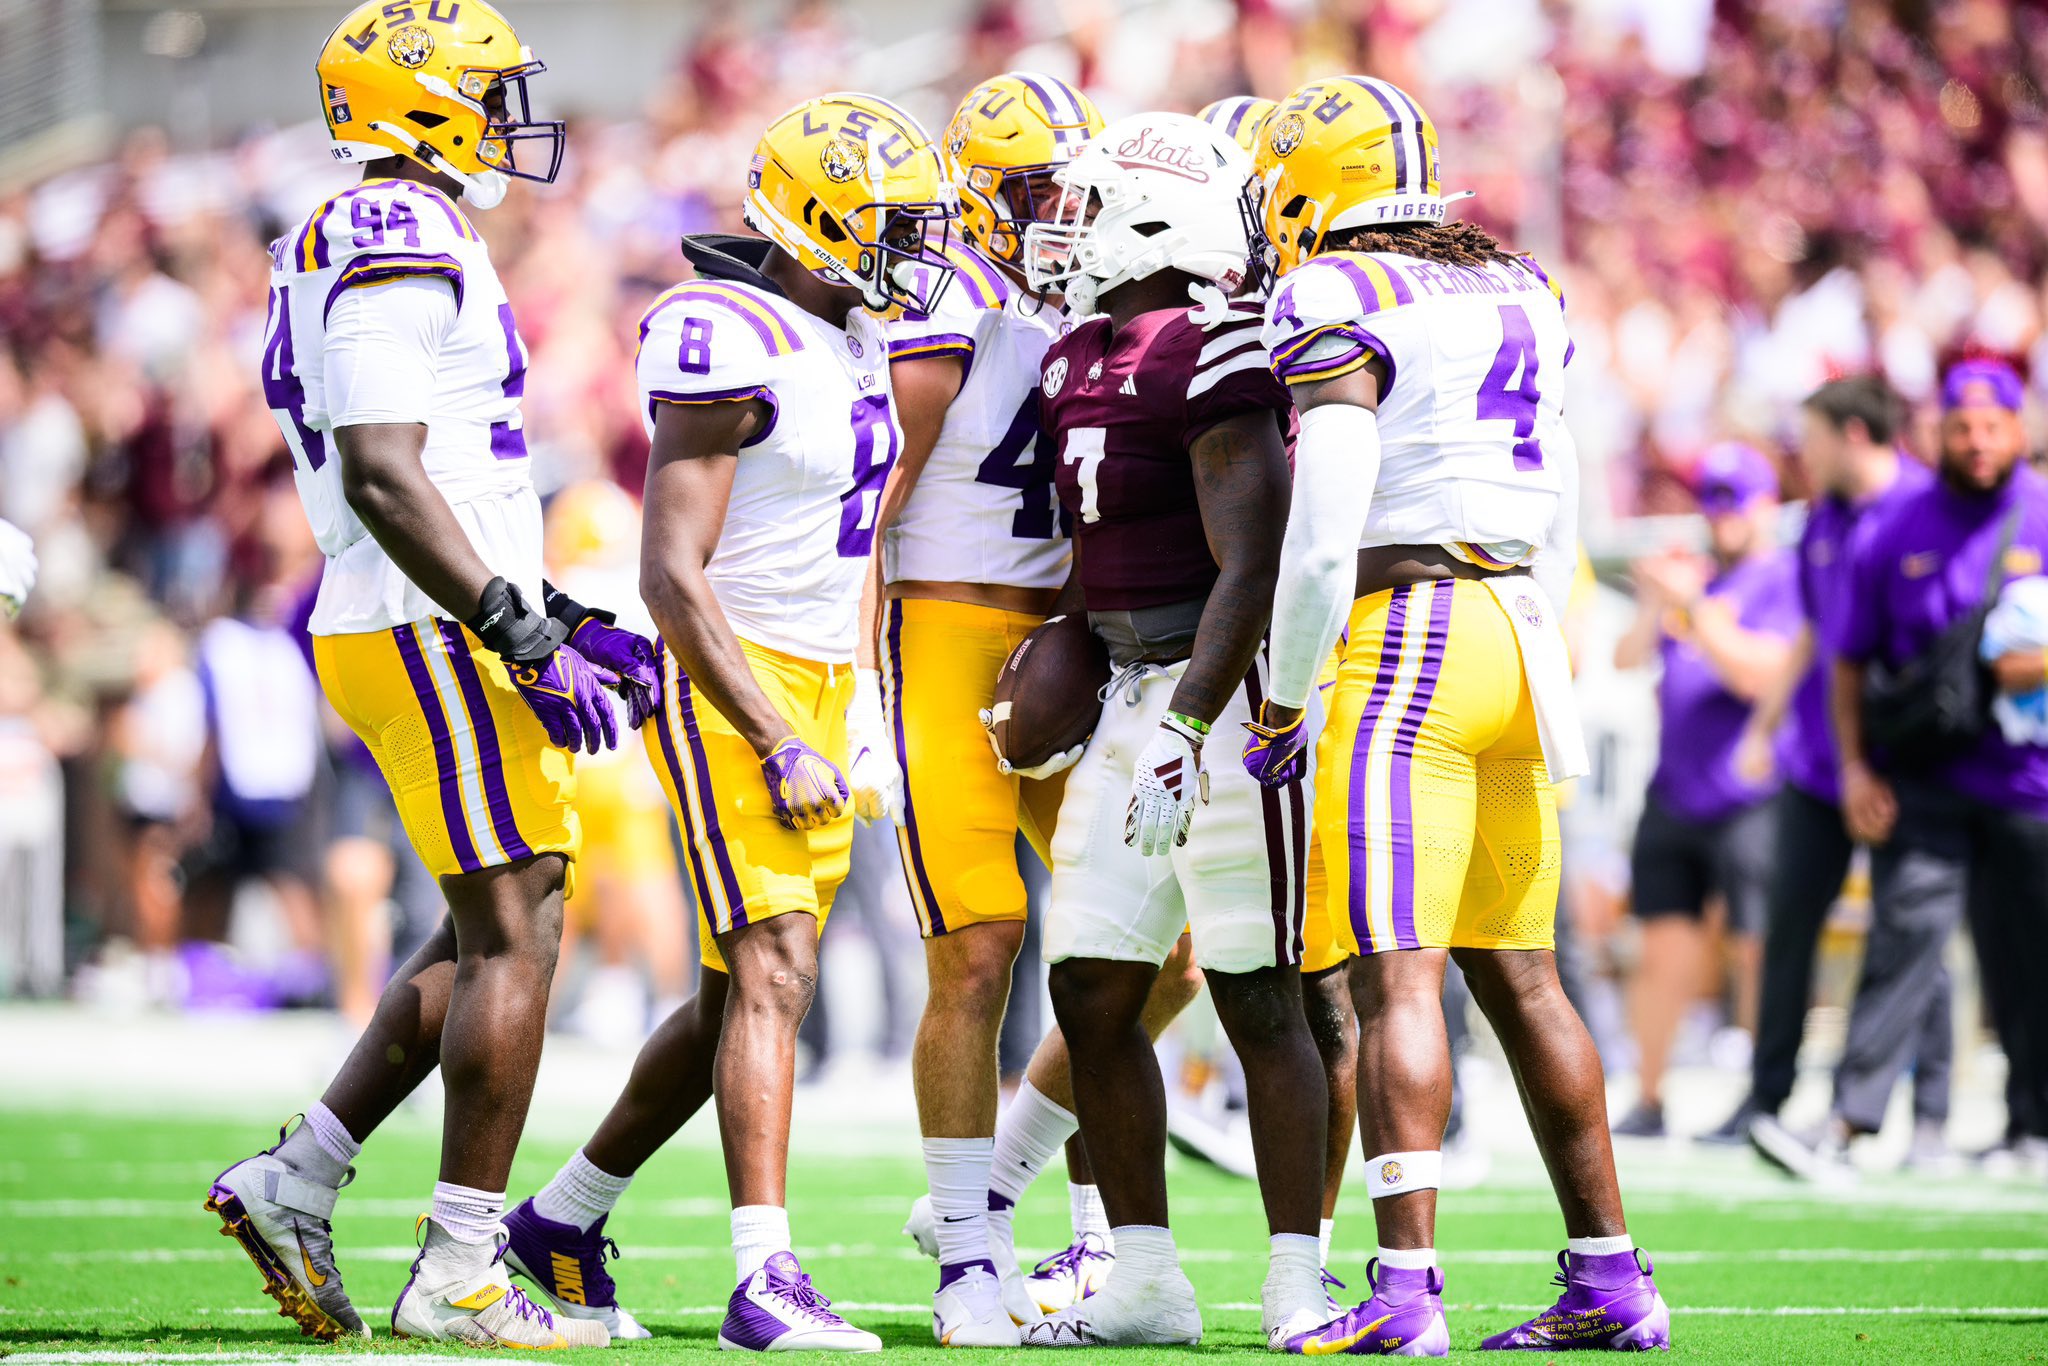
point(337, 104)
point(754, 169)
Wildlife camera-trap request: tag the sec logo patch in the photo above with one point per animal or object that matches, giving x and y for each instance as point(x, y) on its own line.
point(1055, 376)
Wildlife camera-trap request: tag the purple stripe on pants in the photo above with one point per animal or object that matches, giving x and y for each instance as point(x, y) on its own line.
point(907, 837)
point(1361, 762)
point(496, 794)
point(667, 737)
point(452, 814)
point(1401, 819)
point(726, 878)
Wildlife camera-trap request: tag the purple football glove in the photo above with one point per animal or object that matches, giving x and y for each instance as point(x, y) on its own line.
point(808, 789)
point(565, 691)
point(1276, 755)
point(628, 655)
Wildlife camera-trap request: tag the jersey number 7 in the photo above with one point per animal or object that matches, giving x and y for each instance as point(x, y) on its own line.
point(1515, 402)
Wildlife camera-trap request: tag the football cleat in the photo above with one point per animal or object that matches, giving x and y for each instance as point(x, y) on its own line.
point(968, 1311)
point(484, 1310)
point(777, 1310)
point(1331, 1283)
point(1821, 1157)
point(1156, 1312)
point(1610, 1304)
point(922, 1227)
point(281, 1221)
point(1071, 1275)
point(1404, 1318)
point(567, 1264)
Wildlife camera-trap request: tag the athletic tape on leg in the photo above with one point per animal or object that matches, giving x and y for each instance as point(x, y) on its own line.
point(1398, 1173)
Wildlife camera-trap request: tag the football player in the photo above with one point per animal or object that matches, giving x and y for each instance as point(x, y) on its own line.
point(1170, 434)
point(394, 370)
point(1326, 987)
point(1435, 503)
point(766, 389)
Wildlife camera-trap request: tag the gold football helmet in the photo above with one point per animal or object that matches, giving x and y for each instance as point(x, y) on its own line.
point(1003, 144)
point(853, 188)
point(1241, 116)
point(442, 82)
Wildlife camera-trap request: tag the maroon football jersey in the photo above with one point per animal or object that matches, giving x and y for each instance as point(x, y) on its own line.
point(1122, 410)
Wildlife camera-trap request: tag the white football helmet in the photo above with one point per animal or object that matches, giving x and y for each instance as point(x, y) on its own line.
point(1148, 193)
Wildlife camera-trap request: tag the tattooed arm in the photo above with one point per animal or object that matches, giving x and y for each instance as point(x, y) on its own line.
point(1241, 483)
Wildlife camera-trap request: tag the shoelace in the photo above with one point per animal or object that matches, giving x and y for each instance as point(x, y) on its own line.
point(1331, 1282)
point(1129, 680)
point(516, 1300)
point(808, 1298)
point(1070, 1259)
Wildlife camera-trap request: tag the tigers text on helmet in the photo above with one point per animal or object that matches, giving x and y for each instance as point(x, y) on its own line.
point(1240, 117)
point(1151, 192)
point(1002, 146)
point(1341, 152)
point(442, 82)
point(854, 188)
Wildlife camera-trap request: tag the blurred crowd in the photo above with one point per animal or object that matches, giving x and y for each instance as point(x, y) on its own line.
point(1742, 198)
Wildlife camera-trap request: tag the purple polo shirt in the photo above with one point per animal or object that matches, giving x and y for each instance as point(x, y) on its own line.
point(1921, 565)
point(1806, 747)
point(1702, 720)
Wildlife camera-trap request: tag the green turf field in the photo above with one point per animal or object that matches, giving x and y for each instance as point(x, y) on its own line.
point(105, 1254)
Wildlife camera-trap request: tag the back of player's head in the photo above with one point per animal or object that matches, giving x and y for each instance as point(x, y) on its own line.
point(1150, 192)
point(1858, 398)
point(1343, 152)
point(444, 83)
point(1003, 144)
point(853, 187)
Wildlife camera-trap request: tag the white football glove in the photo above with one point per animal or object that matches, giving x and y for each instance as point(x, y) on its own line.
point(874, 775)
point(1058, 763)
point(17, 568)
point(1169, 781)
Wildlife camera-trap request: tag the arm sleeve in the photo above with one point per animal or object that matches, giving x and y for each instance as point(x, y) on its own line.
point(1336, 464)
point(382, 345)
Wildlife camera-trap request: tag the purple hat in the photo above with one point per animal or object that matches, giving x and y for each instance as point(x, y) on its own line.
point(1982, 383)
point(1731, 476)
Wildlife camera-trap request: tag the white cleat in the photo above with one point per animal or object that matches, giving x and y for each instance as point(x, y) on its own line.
point(281, 1221)
point(922, 1226)
point(969, 1312)
point(1159, 1312)
point(1066, 1278)
point(484, 1310)
point(1282, 1325)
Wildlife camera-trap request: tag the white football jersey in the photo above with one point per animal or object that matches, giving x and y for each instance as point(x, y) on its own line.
point(801, 522)
point(984, 509)
point(379, 233)
point(1474, 453)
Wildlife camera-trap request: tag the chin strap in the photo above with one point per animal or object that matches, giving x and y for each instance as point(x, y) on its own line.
point(480, 189)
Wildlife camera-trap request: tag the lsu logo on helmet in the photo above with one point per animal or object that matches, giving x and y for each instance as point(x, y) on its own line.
point(854, 189)
point(443, 82)
point(1003, 144)
point(1341, 152)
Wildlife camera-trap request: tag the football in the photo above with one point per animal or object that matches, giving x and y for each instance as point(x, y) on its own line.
point(1046, 692)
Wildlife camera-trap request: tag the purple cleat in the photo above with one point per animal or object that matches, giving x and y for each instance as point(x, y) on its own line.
point(1609, 1304)
point(776, 1310)
point(1404, 1318)
point(568, 1267)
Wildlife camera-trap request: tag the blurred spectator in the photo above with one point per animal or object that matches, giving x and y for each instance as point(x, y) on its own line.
point(1722, 630)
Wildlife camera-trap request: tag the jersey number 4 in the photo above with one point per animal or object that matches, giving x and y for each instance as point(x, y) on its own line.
point(1509, 391)
point(1023, 460)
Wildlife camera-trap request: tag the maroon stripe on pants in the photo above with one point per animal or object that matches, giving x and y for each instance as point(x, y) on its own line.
point(1286, 889)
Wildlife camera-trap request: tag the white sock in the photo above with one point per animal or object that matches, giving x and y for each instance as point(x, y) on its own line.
point(1329, 1230)
point(1085, 1209)
point(957, 1171)
point(1599, 1247)
point(320, 1149)
point(1143, 1250)
point(758, 1233)
point(1408, 1258)
point(1031, 1130)
point(1294, 1262)
point(470, 1221)
point(581, 1193)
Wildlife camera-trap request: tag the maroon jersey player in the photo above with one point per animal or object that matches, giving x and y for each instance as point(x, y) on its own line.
point(1172, 463)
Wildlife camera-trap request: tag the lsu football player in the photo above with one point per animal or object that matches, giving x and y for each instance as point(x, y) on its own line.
point(1171, 432)
point(1434, 524)
point(1325, 986)
point(394, 369)
point(765, 385)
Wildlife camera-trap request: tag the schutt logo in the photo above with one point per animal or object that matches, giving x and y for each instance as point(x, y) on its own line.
point(1147, 150)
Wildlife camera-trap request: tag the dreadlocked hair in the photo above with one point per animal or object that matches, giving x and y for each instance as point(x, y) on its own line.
point(1449, 244)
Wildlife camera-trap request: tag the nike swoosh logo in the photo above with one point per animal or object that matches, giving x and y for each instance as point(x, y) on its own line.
point(313, 1278)
point(1333, 1346)
point(955, 1218)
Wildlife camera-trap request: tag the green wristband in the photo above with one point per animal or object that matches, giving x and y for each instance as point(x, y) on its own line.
point(1182, 718)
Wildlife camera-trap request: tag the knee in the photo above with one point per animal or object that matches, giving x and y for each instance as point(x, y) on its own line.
point(1089, 996)
point(970, 972)
point(358, 871)
point(1260, 1010)
point(1331, 1022)
point(777, 976)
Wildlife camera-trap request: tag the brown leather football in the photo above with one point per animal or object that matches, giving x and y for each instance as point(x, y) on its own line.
point(1046, 691)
